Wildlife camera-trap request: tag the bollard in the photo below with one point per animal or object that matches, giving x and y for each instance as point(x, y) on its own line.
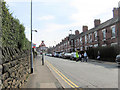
point(42, 59)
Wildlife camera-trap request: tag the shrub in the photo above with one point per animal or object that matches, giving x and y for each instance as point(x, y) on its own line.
point(107, 53)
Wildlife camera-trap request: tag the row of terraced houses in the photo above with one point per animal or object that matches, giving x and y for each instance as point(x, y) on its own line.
point(102, 34)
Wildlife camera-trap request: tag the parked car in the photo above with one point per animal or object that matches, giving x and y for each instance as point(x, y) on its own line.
point(73, 56)
point(67, 55)
point(61, 55)
point(118, 59)
point(56, 54)
point(48, 54)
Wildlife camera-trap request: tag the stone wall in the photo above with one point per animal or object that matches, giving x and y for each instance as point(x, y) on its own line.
point(15, 67)
point(0, 42)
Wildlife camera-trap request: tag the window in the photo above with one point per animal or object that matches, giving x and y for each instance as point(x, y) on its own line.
point(85, 38)
point(113, 31)
point(95, 35)
point(86, 47)
point(75, 42)
point(78, 41)
point(104, 34)
point(81, 48)
point(90, 37)
point(81, 40)
point(72, 42)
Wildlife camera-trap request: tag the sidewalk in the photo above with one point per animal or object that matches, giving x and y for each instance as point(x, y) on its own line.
point(100, 61)
point(42, 77)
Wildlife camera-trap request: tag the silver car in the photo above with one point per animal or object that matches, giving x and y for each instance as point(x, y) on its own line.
point(118, 59)
point(67, 55)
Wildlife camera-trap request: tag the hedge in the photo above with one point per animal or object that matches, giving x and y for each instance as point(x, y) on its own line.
point(13, 34)
point(107, 53)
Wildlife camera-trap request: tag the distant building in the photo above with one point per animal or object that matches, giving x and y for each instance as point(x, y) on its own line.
point(42, 47)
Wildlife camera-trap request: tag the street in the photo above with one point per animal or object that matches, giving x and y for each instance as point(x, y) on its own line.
point(83, 74)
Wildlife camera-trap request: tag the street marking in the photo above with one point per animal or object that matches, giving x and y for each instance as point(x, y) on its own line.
point(69, 82)
point(60, 75)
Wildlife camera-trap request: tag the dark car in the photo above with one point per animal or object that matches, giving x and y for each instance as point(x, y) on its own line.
point(118, 59)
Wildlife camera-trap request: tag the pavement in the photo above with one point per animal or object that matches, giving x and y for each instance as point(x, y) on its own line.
point(42, 77)
point(100, 61)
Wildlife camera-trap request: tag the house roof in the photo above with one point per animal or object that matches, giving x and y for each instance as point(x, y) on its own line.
point(101, 26)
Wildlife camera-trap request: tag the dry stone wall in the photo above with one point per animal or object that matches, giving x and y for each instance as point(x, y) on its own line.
point(0, 43)
point(15, 67)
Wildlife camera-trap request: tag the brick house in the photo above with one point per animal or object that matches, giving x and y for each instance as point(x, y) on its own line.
point(103, 34)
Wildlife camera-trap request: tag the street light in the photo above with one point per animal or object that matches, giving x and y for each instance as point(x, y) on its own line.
point(31, 42)
point(34, 30)
point(71, 31)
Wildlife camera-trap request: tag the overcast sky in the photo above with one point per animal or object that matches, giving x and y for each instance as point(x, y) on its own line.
point(54, 18)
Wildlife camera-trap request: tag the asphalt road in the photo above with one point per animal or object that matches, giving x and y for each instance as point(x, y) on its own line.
point(83, 74)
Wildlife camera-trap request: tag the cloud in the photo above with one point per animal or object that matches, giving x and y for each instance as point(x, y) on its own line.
point(49, 17)
point(87, 11)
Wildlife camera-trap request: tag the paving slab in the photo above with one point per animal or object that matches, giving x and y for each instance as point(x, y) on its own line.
point(42, 77)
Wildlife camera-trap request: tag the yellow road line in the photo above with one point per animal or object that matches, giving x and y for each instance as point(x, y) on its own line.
point(63, 76)
point(60, 75)
point(66, 78)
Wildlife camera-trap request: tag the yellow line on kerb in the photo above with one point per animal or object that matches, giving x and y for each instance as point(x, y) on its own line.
point(63, 77)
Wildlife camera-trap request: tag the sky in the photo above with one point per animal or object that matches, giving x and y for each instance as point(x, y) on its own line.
point(53, 19)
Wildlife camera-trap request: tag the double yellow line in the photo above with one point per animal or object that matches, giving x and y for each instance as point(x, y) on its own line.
point(68, 81)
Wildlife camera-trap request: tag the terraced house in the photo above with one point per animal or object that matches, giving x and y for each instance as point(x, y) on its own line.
point(102, 34)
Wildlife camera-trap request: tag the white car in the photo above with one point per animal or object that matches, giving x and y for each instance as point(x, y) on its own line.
point(73, 56)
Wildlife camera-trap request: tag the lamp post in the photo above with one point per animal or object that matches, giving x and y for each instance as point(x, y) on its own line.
point(71, 31)
point(118, 27)
point(31, 42)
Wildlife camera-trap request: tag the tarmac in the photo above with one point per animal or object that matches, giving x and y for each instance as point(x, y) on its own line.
point(42, 77)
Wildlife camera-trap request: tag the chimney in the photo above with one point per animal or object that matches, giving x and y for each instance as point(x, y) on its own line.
point(97, 22)
point(115, 12)
point(76, 32)
point(85, 28)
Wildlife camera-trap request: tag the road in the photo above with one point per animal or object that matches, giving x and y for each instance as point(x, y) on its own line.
point(83, 74)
